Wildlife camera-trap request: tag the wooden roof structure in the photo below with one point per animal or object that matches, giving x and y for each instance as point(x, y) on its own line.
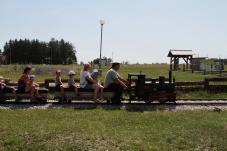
point(175, 55)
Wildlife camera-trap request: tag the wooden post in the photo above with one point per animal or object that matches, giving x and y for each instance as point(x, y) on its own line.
point(170, 63)
point(187, 63)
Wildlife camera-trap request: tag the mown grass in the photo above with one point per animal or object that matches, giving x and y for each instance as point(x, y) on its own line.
point(111, 129)
point(201, 94)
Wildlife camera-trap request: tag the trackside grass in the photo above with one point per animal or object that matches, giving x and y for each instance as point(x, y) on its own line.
point(105, 128)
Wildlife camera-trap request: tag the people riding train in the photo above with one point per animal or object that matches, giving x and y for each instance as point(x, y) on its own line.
point(95, 74)
point(87, 82)
point(23, 83)
point(71, 83)
point(113, 81)
point(59, 84)
point(32, 83)
point(3, 87)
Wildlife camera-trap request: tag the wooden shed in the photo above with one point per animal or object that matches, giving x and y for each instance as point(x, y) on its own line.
point(175, 55)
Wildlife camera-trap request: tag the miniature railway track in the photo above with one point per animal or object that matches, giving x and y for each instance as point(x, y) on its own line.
point(192, 102)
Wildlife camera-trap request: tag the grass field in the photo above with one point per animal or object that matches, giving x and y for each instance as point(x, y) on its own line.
point(112, 129)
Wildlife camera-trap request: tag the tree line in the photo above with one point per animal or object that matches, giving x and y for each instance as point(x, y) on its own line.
point(39, 52)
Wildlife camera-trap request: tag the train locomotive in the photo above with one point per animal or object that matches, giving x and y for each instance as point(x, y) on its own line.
point(150, 90)
point(140, 88)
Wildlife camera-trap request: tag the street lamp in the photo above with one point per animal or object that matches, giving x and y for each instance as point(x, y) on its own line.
point(112, 56)
point(102, 22)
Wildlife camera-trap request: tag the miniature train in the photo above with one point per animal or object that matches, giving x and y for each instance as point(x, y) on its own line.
point(139, 89)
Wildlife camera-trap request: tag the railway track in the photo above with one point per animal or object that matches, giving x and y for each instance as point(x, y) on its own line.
point(134, 106)
point(135, 102)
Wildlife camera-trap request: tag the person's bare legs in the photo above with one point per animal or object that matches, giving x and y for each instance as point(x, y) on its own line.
point(101, 91)
point(76, 90)
point(32, 92)
point(96, 90)
point(62, 90)
point(14, 93)
point(37, 92)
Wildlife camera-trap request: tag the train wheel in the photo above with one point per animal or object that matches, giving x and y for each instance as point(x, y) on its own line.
point(44, 101)
point(60, 101)
point(171, 98)
point(2, 100)
point(162, 100)
point(148, 102)
point(39, 100)
point(69, 101)
point(132, 97)
point(146, 98)
point(108, 101)
point(65, 101)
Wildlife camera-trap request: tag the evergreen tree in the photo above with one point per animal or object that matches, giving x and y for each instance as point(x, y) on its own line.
point(36, 52)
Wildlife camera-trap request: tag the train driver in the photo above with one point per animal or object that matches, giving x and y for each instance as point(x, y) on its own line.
point(115, 82)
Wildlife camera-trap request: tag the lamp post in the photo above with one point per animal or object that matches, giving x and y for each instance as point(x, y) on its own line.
point(112, 56)
point(102, 22)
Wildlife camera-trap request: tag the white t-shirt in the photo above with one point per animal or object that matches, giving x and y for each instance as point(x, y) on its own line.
point(83, 80)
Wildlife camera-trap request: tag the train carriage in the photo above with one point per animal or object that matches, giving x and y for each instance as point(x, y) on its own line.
point(140, 89)
point(7, 94)
point(84, 94)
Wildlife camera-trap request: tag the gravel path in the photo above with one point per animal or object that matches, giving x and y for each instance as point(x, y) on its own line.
point(129, 107)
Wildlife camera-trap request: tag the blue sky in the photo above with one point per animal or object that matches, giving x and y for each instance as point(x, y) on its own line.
point(135, 30)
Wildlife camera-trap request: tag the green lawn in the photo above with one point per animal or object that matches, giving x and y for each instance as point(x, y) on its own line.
point(110, 128)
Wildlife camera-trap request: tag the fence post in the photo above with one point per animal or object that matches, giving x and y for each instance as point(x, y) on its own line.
point(206, 83)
